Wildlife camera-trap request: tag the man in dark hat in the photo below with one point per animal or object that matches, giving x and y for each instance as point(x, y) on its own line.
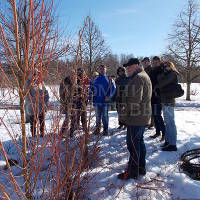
point(146, 63)
point(156, 98)
point(136, 113)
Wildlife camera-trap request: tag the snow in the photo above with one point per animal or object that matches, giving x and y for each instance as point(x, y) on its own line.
point(163, 173)
point(164, 178)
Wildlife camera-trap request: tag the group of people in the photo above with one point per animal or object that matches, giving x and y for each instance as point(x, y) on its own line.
point(142, 91)
point(99, 91)
point(150, 90)
point(73, 98)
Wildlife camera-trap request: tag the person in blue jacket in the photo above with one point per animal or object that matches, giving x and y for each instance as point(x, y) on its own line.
point(102, 90)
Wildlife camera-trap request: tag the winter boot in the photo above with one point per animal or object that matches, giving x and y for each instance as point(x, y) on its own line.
point(105, 132)
point(155, 135)
point(97, 130)
point(127, 175)
point(169, 148)
point(142, 171)
point(120, 126)
point(165, 144)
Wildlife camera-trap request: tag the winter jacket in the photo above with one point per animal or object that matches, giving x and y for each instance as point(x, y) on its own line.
point(136, 110)
point(121, 83)
point(155, 71)
point(148, 70)
point(81, 92)
point(64, 92)
point(165, 80)
point(102, 87)
point(36, 101)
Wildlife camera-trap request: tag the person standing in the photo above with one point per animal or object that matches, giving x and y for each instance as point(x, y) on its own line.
point(136, 113)
point(121, 83)
point(91, 88)
point(104, 90)
point(167, 82)
point(156, 99)
point(36, 102)
point(65, 93)
point(79, 108)
point(146, 63)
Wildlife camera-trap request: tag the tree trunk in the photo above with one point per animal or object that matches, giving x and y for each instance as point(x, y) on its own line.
point(25, 171)
point(188, 91)
point(188, 86)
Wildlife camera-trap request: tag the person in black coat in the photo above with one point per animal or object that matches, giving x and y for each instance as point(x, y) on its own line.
point(65, 98)
point(156, 98)
point(146, 63)
point(121, 83)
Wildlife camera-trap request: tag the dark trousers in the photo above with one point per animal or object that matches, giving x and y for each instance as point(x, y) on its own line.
point(157, 117)
point(33, 124)
point(78, 114)
point(136, 147)
point(64, 125)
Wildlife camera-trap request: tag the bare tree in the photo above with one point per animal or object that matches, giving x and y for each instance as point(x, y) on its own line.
point(93, 47)
point(124, 58)
point(184, 42)
point(112, 62)
point(180, 68)
point(28, 41)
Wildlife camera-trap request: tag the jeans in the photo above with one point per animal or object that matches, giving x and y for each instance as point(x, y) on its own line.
point(158, 120)
point(102, 114)
point(171, 132)
point(136, 147)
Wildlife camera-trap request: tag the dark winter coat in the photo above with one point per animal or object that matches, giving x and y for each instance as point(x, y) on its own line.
point(136, 110)
point(166, 79)
point(148, 70)
point(155, 71)
point(81, 91)
point(121, 83)
point(65, 92)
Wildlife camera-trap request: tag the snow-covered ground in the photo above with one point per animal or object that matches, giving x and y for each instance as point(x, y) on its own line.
point(164, 179)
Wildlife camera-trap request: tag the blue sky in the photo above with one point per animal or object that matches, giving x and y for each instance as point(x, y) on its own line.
point(137, 27)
